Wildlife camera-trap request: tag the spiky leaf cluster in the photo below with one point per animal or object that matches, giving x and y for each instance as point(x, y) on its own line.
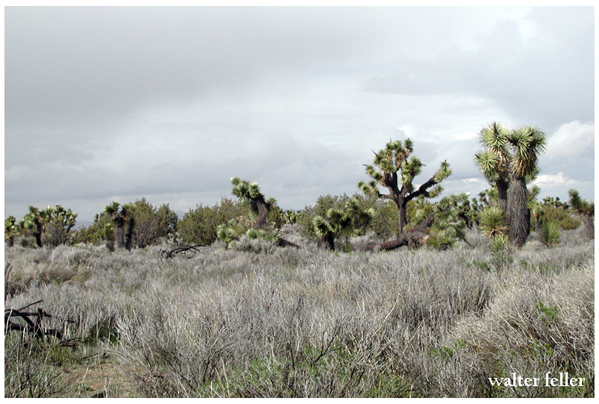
point(230, 231)
point(549, 234)
point(245, 190)
point(493, 161)
point(508, 151)
point(290, 216)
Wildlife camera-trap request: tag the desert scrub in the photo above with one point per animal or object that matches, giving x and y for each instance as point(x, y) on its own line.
point(534, 326)
point(310, 323)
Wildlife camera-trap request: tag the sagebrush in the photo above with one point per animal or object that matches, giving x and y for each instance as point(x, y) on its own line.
point(265, 321)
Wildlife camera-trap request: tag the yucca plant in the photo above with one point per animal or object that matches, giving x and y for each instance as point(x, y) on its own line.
point(452, 214)
point(500, 243)
point(549, 234)
point(492, 221)
point(396, 172)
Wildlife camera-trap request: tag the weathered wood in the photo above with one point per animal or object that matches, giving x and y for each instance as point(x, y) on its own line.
point(284, 243)
point(415, 237)
point(179, 250)
point(412, 239)
point(30, 326)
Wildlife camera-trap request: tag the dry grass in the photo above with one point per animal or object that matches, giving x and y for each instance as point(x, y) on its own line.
point(308, 323)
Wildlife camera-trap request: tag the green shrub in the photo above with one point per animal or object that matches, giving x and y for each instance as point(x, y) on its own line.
point(561, 217)
point(199, 226)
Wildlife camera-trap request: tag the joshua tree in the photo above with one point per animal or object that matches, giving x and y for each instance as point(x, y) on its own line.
point(509, 161)
point(585, 210)
point(341, 221)
point(34, 222)
point(259, 205)
point(536, 208)
point(123, 218)
point(526, 142)
point(11, 230)
point(59, 224)
point(452, 215)
point(396, 173)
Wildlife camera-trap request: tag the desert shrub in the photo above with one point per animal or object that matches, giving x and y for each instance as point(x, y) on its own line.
point(152, 223)
point(307, 323)
point(28, 370)
point(254, 244)
point(100, 231)
point(199, 226)
point(383, 221)
point(534, 326)
point(560, 216)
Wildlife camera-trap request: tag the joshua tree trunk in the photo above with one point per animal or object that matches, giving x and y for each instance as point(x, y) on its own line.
point(502, 187)
point(119, 235)
point(328, 240)
point(401, 212)
point(129, 234)
point(262, 209)
point(39, 228)
point(518, 214)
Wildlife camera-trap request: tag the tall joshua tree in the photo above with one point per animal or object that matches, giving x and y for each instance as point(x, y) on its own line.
point(512, 156)
point(396, 171)
point(527, 142)
point(259, 205)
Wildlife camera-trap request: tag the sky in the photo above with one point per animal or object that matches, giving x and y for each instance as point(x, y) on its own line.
point(119, 103)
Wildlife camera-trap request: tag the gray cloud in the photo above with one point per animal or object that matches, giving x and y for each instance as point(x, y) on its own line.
point(546, 79)
point(120, 102)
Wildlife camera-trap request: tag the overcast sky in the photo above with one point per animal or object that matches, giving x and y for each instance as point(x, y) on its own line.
point(119, 103)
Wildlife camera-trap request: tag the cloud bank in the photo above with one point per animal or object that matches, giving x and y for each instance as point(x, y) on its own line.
point(117, 103)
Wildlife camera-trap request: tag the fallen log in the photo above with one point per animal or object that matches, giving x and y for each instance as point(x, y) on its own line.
point(33, 322)
point(415, 237)
point(284, 243)
point(413, 240)
point(179, 250)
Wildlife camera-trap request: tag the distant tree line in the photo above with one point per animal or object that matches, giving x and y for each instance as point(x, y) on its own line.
point(507, 211)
